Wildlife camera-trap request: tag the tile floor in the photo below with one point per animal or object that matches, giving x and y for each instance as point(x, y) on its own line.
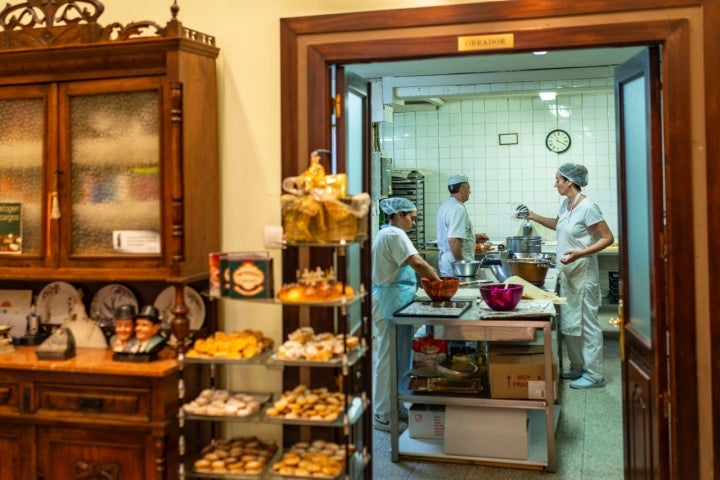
point(589, 437)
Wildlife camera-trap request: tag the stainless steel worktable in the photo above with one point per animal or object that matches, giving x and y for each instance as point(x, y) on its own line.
point(470, 326)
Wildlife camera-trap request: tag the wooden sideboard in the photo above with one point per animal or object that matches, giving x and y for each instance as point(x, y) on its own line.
point(87, 417)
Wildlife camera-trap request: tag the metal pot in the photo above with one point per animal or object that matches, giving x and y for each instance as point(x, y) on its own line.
point(533, 270)
point(524, 244)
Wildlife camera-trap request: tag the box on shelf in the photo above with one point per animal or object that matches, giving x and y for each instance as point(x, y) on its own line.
point(245, 274)
point(486, 432)
point(426, 421)
point(518, 371)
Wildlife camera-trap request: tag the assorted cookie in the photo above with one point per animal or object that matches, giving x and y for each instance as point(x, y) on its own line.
point(238, 456)
point(305, 344)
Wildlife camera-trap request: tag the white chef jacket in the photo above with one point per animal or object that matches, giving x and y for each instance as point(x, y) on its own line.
point(579, 280)
point(453, 221)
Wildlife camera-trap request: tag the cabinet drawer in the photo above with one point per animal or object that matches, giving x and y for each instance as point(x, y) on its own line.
point(9, 396)
point(132, 402)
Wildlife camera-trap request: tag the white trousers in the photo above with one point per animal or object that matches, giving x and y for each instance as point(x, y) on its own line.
point(382, 388)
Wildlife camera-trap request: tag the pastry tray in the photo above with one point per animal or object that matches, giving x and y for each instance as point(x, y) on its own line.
point(445, 384)
point(354, 411)
point(353, 355)
point(445, 309)
point(261, 398)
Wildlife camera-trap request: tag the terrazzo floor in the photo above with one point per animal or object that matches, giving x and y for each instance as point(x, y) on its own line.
point(589, 436)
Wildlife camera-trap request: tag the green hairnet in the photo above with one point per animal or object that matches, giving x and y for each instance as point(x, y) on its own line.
point(574, 172)
point(396, 204)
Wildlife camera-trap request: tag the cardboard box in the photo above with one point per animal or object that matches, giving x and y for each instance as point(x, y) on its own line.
point(426, 421)
point(246, 275)
point(486, 432)
point(518, 371)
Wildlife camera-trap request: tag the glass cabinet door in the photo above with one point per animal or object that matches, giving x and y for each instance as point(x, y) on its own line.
point(22, 143)
point(114, 155)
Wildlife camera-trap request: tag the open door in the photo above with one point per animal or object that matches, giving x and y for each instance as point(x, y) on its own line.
point(643, 268)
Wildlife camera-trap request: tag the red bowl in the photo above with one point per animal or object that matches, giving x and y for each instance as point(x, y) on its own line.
point(501, 297)
point(440, 290)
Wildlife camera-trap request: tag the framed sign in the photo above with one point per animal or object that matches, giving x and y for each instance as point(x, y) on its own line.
point(508, 138)
point(10, 228)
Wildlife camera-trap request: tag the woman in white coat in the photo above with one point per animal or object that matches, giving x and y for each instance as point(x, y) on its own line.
point(395, 263)
point(581, 233)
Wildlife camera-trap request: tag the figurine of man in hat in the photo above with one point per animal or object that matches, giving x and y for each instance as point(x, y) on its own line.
point(124, 320)
point(147, 326)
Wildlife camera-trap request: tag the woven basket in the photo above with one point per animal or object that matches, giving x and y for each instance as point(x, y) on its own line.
point(332, 224)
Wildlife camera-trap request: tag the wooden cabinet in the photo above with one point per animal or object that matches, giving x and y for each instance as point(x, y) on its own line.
point(87, 417)
point(110, 146)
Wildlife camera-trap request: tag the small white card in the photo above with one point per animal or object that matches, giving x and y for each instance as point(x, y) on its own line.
point(136, 241)
point(14, 308)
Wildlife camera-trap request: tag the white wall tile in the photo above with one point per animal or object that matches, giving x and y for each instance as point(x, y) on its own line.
point(462, 137)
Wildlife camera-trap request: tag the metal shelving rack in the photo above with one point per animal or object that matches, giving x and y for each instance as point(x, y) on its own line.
point(412, 186)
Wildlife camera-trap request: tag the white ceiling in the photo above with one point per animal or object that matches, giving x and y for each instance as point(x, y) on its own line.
point(515, 62)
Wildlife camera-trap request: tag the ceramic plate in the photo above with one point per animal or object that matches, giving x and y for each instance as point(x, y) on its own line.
point(194, 302)
point(107, 299)
point(55, 302)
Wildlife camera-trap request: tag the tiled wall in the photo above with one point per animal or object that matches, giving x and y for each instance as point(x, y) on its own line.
point(462, 137)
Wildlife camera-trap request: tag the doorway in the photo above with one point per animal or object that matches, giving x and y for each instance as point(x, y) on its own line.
point(420, 33)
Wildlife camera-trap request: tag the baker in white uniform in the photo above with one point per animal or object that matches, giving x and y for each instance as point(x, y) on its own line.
point(581, 233)
point(455, 236)
point(396, 264)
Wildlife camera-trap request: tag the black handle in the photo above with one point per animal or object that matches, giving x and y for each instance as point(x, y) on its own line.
point(486, 261)
point(91, 404)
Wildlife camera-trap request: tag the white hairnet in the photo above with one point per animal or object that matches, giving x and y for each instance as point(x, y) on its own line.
point(455, 179)
point(574, 172)
point(396, 204)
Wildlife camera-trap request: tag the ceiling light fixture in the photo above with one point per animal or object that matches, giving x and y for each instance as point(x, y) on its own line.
point(547, 96)
point(540, 52)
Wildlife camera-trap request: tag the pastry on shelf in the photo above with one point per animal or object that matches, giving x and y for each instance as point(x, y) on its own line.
point(238, 345)
point(221, 403)
point(316, 459)
point(236, 456)
point(303, 403)
point(314, 286)
point(305, 344)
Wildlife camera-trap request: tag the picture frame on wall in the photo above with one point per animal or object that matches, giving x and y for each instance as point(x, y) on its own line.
point(508, 139)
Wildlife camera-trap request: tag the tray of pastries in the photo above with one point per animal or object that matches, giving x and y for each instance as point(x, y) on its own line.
point(238, 346)
point(305, 405)
point(316, 459)
point(222, 403)
point(304, 345)
point(235, 457)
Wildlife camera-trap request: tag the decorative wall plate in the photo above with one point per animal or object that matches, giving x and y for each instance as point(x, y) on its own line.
point(107, 299)
point(55, 302)
point(194, 302)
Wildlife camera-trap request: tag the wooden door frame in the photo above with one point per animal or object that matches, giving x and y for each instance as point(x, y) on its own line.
point(310, 44)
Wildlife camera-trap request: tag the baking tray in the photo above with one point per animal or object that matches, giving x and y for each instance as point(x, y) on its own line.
point(442, 309)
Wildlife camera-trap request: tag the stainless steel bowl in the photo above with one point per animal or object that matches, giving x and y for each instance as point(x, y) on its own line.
point(466, 268)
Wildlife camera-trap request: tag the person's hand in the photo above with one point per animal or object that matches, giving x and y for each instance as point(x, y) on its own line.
point(481, 238)
point(570, 256)
point(522, 211)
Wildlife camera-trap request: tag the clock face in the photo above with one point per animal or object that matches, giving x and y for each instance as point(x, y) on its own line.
point(557, 141)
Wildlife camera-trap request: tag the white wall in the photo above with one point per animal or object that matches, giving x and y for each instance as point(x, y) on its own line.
point(462, 137)
point(248, 35)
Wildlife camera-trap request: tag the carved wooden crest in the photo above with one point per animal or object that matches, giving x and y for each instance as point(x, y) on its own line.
point(47, 23)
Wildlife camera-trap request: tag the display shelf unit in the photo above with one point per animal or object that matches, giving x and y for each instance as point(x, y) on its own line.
point(542, 413)
point(351, 424)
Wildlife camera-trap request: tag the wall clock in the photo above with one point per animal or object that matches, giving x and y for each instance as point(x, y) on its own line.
point(557, 141)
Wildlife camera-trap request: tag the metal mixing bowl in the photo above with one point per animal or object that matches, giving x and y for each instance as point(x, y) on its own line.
point(466, 268)
point(531, 269)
